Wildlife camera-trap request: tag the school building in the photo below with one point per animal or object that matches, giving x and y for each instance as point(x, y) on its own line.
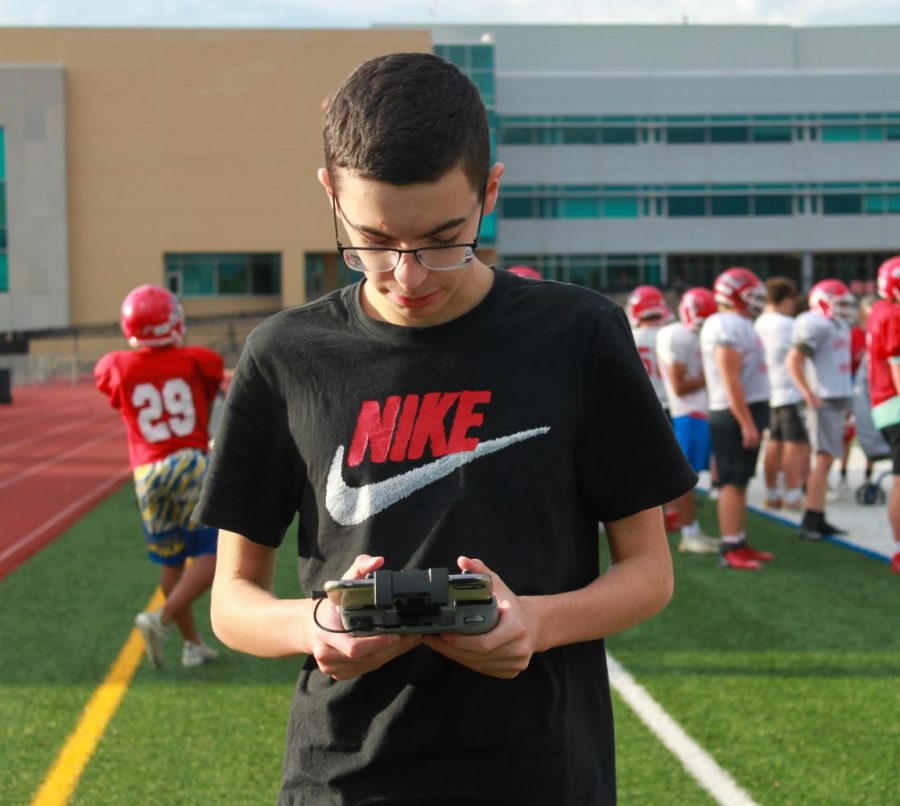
point(633, 154)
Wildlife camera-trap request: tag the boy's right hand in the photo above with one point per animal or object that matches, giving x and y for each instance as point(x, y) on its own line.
point(343, 656)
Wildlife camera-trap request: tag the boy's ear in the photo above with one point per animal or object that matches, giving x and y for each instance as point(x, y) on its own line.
point(325, 181)
point(492, 187)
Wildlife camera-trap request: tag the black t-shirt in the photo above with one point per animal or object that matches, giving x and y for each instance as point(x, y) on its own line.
point(506, 435)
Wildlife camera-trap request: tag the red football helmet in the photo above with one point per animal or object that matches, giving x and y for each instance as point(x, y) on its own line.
point(151, 316)
point(889, 279)
point(741, 290)
point(696, 305)
point(646, 302)
point(526, 271)
point(833, 299)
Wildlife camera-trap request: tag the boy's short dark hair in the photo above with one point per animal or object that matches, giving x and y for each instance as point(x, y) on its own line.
point(407, 118)
point(779, 289)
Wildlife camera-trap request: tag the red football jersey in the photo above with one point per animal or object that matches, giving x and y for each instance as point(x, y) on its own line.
point(857, 347)
point(164, 395)
point(884, 343)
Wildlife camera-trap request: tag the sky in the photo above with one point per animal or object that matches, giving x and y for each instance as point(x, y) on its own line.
point(356, 14)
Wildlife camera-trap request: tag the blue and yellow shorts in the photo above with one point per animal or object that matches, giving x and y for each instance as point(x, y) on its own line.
point(167, 492)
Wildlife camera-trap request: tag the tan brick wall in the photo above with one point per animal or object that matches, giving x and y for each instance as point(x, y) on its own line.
point(194, 141)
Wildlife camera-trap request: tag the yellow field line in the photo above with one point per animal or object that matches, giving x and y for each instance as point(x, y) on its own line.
point(63, 777)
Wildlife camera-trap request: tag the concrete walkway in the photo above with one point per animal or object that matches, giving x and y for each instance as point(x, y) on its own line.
point(867, 525)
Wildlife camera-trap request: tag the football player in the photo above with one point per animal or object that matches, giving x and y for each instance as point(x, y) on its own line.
point(681, 365)
point(735, 368)
point(787, 449)
point(883, 329)
point(164, 392)
point(822, 336)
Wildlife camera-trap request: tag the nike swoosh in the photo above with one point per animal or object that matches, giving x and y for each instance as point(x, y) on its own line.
point(350, 506)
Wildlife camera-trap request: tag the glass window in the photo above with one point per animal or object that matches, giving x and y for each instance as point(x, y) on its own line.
point(873, 203)
point(685, 134)
point(3, 233)
point(197, 275)
point(619, 207)
point(729, 134)
point(548, 208)
point(518, 136)
point(893, 203)
point(841, 134)
point(488, 229)
point(484, 80)
point(842, 203)
point(518, 208)
point(772, 205)
point(580, 208)
point(619, 135)
point(770, 134)
point(892, 132)
point(728, 205)
point(458, 55)
point(580, 135)
point(265, 274)
point(2, 154)
point(482, 57)
point(4, 272)
point(233, 274)
point(686, 206)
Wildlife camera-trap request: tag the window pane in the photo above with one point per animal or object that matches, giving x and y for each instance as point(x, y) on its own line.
point(686, 134)
point(874, 203)
point(730, 205)
point(893, 203)
point(837, 134)
point(684, 206)
point(873, 132)
point(518, 208)
point(548, 208)
point(315, 275)
point(457, 55)
point(4, 272)
point(482, 56)
point(519, 135)
point(729, 134)
point(772, 205)
point(265, 274)
point(2, 204)
point(617, 135)
point(771, 134)
point(620, 207)
point(484, 80)
point(197, 274)
point(3, 235)
point(583, 135)
point(489, 229)
point(893, 132)
point(580, 208)
point(2, 153)
point(234, 274)
point(842, 204)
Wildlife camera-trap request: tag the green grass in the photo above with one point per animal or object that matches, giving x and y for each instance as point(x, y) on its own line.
point(790, 678)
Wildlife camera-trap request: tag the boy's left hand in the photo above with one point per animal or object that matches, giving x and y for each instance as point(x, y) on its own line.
point(506, 650)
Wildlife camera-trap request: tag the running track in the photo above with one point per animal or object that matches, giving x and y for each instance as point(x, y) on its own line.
point(62, 451)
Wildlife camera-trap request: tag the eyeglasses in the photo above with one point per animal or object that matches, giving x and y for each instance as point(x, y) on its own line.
point(381, 259)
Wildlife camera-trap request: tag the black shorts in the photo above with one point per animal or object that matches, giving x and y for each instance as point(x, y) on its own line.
point(735, 464)
point(786, 424)
point(892, 434)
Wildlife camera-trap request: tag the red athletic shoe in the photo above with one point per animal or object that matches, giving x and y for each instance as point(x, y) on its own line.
point(895, 563)
point(673, 522)
point(753, 554)
point(736, 557)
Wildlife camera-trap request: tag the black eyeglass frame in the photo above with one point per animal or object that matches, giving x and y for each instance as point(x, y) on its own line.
point(400, 252)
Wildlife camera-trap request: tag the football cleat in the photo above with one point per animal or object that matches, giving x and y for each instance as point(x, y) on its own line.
point(152, 630)
point(698, 544)
point(733, 556)
point(673, 522)
point(754, 554)
point(895, 563)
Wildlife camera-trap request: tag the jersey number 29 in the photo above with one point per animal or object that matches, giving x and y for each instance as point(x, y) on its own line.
point(175, 400)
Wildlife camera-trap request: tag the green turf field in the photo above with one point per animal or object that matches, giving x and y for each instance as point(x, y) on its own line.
point(789, 678)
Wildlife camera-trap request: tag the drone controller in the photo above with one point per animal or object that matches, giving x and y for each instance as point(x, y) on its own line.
point(405, 602)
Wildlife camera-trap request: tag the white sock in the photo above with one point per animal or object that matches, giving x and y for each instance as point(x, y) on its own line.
point(773, 492)
point(732, 540)
point(793, 495)
point(690, 529)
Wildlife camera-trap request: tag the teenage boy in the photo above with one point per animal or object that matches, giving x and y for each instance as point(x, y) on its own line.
point(434, 413)
point(681, 366)
point(165, 392)
point(822, 336)
point(883, 329)
point(787, 449)
point(735, 368)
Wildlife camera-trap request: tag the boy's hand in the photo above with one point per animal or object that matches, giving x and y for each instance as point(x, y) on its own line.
point(343, 656)
point(506, 650)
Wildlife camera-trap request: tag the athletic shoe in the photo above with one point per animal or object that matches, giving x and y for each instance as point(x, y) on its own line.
point(753, 554)
point(895, 563)
point(150, 626)
point(796, 505)
point(197, 654)
point(835, 493)
point(698, 544)
point(713, 494)
point(673, 522)
point(774, 503)
point(831, 529)
point(810, 533)
point(735, 557)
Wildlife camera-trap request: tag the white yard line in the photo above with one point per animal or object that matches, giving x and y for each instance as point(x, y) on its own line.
point(699, 764)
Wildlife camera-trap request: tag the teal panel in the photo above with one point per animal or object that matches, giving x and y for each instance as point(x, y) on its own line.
point(687, 206)
point(893, 203)
point(580, 135)
point(2, 153)
point(619, 207)
point(2, 204)
point(518, 136)
point(483, 57)
point(842, 204)
point(729, 205)
point(517, 208)
point(771, 134)
point(685, 134)
point(619, 135)
point(841, 134)
point(773, 205)
point(4, 272)
point(874, 203)
point(265, 273)
point(197, 275)
point(233, 274)
point(488, 229)
point(729, 134)
point(580, 208)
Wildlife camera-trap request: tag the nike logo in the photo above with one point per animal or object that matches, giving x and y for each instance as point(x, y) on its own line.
point(350, 506)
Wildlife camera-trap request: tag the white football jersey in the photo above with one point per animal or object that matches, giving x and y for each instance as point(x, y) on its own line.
point(828, 340)
point(776, 331)
point(645, 340)
point(678, 344)
point(729, 329)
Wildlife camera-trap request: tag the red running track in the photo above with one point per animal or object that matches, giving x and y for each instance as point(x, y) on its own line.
point(62, 451)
